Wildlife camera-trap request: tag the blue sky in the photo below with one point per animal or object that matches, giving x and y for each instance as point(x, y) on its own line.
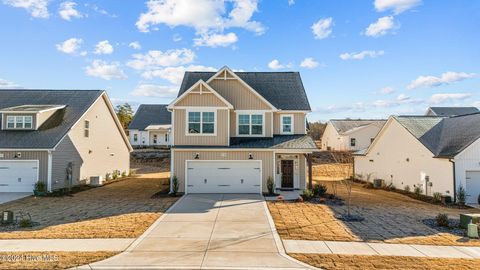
point(357, 58)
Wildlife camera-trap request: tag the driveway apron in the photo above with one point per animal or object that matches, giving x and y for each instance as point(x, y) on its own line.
point(208, 231)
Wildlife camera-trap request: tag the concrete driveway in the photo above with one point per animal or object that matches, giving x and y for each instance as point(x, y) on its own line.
point(11, 196)
point(208, 231)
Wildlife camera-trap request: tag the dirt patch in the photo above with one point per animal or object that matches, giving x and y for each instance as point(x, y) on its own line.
point(122, 209)
point(50, 260)
point(330, 261)
point(331, 171)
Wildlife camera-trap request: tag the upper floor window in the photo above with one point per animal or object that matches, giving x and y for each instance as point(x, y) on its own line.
point(19, 122)
point(286, 124)
point(353, 142)
point(201, 122)
point(86, 131)
point(250, 124)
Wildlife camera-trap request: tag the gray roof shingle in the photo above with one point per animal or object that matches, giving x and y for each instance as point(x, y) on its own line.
point(150, 114)
point(453, 111)
point(284, 90)
point(52, 130)
point(344, 125)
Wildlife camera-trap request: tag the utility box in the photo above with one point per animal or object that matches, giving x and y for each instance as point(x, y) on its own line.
point(96, 181)
point(7, 217)
point(378, 183)
point(466, 218)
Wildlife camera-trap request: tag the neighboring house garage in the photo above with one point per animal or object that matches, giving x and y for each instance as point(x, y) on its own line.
point(18, 175)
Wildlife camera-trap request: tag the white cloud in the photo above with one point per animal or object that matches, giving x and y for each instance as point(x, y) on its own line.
point(361, 55)
point(176, 38)
point(37, 8)
point(158, 59)
point(216, 40)
point(106, 71)
point(103, 47)
point(387, 90)
point(291, 2)
point(67, 11)
point(476, 103)
point(135, 45)
point(275, 64)
point(397, 6)
point(175, 74)
point(322, 28)
point(309, 63)
point(447, 97)
point(153, 90)
point(4, 84)
point(100, 11)
point(381, 27)
point(204, 15)
point(70, 46)
point(402, 97)
point(445, 78)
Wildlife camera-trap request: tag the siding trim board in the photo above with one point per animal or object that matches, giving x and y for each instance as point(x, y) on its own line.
point(200, 84)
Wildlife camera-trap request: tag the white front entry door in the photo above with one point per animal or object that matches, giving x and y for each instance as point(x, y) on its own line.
point(18, 175)
point(224, 176)
point(473, 186)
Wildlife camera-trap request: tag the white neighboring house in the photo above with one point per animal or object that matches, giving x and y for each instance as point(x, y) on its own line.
point(450, 111)
point(350, 135)
point(150, 126)
point(434, 153)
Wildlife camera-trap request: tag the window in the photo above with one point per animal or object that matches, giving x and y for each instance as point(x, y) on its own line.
point(250, 124)
point(154, 138)
point(86, 131)
point(19, 122)
point(135, 137)
point(201, 123)
point(352, 142)
point(166, 137)
point(286, 124)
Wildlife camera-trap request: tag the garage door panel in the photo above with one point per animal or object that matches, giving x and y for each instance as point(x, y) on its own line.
point(223, 177)
point(18, 176)
point(472, 187)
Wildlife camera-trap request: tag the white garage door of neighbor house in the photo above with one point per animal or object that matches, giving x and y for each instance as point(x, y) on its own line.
point(224, 176)
point(18, 175)
point(473, 186)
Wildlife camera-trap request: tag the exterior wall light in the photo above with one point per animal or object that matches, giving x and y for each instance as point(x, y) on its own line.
point(250, 156)
point(197, 156)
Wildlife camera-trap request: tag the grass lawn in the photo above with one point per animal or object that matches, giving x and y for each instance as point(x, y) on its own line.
point(49, 260)
point(329, 261)
point(123, 209)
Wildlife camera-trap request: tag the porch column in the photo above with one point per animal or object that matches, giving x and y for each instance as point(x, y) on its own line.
point(310, 178)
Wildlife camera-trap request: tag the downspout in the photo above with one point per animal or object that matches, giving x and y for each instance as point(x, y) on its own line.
point(454, 181)
point(49, 171)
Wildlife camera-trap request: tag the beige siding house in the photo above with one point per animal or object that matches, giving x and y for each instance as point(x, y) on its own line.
point(58, 137)
point(350, 135)
point(232, 131)
point(436, 154)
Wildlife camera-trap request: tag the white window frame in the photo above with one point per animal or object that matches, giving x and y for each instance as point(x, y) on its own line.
point(250, 113)
point(22, 117)
point(201, 110)
point(292, 126)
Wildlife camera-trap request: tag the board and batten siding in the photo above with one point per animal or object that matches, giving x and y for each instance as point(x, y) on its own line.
point(64, 153)
point(299, 123)
point(41, 156)
point(179, 158)
point(221, 137)
point(238, 95)
point(399, 158)
point(467, 160)
point(204, 99)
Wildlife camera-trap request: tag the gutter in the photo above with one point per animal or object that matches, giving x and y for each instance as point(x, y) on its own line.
point(454, 182)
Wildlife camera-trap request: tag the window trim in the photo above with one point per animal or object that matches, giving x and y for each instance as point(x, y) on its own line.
point(201, 110)
point(291, 124)
point(23, 117)
point(250, 113)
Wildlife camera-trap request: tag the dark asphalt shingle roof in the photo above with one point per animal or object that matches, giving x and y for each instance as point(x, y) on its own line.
point(276, 142)
point(150, 114)
point(344, 125)
point(52, 130)
point(453, 111)
point(284, 90)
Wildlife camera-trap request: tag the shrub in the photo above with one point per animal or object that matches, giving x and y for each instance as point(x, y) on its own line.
point(307, 194)
point(40, 186)
point(407, 188)
point(131, 172)
point(25, 223)
point(270, 185)
point(108, 176)
point(437, 197)
point(319, 190)
point(124, 174)
point(115, 175)
point(174, 185)
point(418, 191)
point(461, 195)
point(442, 220)
point(368, 185)
point(391, 187)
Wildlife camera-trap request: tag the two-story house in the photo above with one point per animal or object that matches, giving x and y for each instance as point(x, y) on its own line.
point(232, 131)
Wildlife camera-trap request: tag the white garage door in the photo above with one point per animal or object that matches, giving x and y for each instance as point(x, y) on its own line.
point(473, 186)
point(224, 176)
point(18, 175)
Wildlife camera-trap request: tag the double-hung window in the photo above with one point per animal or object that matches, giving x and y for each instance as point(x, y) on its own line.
point(19, 122)
point(201, 123)
point(250, 124)
point(286, 124)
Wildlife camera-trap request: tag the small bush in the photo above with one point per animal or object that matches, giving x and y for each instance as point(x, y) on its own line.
point(270, 185)
point(307, 194)
point(391, 187)
point(115, 175)
point(437, 197)
point(131, 172)
point(25, 223)
point(407, 188)
point(40, 186)
point(368, 185)
point(107, 176)
point(461, 195)
point(319, 190)
point(442, 220)
point(174, 185)
point(418, 191)
point(124, 174)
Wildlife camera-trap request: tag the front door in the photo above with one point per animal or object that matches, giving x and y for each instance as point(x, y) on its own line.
point(287, 173)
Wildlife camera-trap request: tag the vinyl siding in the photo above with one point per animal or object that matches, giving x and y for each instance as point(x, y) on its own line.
point(238, 95)
point(467, 160)
point(206, 99)
point(65, 153)
point(42, 117)
point(221, 137)
point(33, 115)
point(299, 123)
point(181, 156)
point(41, 156)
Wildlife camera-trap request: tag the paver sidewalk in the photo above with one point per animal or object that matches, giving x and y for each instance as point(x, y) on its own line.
point(380, 249)
point(82, 245)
